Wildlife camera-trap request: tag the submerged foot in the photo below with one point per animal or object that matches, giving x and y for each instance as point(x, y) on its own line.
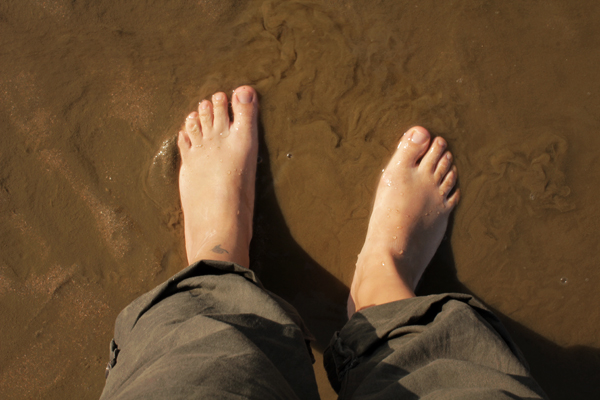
point(216, 180)
point(409, 218)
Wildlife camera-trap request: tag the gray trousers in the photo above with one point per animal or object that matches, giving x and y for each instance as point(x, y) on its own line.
point(213, 332)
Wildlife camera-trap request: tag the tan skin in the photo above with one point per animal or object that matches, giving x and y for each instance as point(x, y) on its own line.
point(410, 212)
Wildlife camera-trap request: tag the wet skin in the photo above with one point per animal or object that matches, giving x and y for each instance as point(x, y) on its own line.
point(408, 221)
point(409, 218)
point(216, 180)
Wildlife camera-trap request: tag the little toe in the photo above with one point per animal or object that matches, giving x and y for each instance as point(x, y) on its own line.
point(453, 200)
point(433, 155)
point(244, 103)
point(413, 145)
point(442, 167)
point(183, 142)
point(448, 182)
point(220, 113)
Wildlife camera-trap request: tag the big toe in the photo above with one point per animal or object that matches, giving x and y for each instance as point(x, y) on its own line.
point(413, 146)
point(244, 105)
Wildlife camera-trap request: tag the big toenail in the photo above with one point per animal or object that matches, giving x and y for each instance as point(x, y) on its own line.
point(244, 96)
point(418, 137)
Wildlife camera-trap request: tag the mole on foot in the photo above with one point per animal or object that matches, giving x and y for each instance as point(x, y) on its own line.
point(216, 179)
point(409, 218)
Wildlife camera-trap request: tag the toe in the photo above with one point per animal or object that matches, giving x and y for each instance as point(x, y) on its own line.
point(220, 113)
point(442, 167)
point(413, 145)
point(192, 127)
point(206, 115)
point(448, 182)
point(183, 142)
point(453, 200)
point(432, 157)
point(244, 104)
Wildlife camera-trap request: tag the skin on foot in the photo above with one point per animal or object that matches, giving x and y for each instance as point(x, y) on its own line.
point(217, 175)
point(409, 218)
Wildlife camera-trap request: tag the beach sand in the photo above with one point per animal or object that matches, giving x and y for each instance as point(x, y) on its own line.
point(91, 96)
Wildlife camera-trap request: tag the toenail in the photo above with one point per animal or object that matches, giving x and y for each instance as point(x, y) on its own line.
point(244, 96)
point(418, 137)
point(219, 97)
point(204, 105)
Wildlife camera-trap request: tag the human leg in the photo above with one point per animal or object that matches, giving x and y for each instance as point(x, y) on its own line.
point(212, 330)
point(396, 345)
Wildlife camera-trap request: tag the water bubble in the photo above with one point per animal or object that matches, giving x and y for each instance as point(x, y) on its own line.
point(564, 280)
point(228, 172)
point(289, 155)
point(532, 196)
point(401, 252)
point(394, 237)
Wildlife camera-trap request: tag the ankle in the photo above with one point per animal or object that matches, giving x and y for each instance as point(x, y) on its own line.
point(379, 279)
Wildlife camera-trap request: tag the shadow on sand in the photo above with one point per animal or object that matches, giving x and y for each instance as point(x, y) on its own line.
point(286, 269)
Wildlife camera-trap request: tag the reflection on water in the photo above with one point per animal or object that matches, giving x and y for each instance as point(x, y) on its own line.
point(92, 93)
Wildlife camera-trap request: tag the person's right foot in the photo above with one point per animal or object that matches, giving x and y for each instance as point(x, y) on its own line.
point(409, 218)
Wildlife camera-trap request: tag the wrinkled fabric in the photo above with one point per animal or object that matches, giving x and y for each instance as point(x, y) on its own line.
point(446, 346)
point(213, 331)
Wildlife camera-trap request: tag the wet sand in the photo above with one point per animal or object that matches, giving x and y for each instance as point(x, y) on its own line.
point(90, 96)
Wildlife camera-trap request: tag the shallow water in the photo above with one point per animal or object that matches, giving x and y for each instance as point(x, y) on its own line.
point(89, 218)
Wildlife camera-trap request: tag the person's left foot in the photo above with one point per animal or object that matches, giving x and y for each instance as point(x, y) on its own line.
point(413, 203)
point(216, 180)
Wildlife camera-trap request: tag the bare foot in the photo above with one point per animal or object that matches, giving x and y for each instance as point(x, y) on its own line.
point(409, 218)
point(216, 180)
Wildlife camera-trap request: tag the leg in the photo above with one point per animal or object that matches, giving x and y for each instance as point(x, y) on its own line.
point(216, 180)
point(212, 330)
point(409, 218)
point(396, 345)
